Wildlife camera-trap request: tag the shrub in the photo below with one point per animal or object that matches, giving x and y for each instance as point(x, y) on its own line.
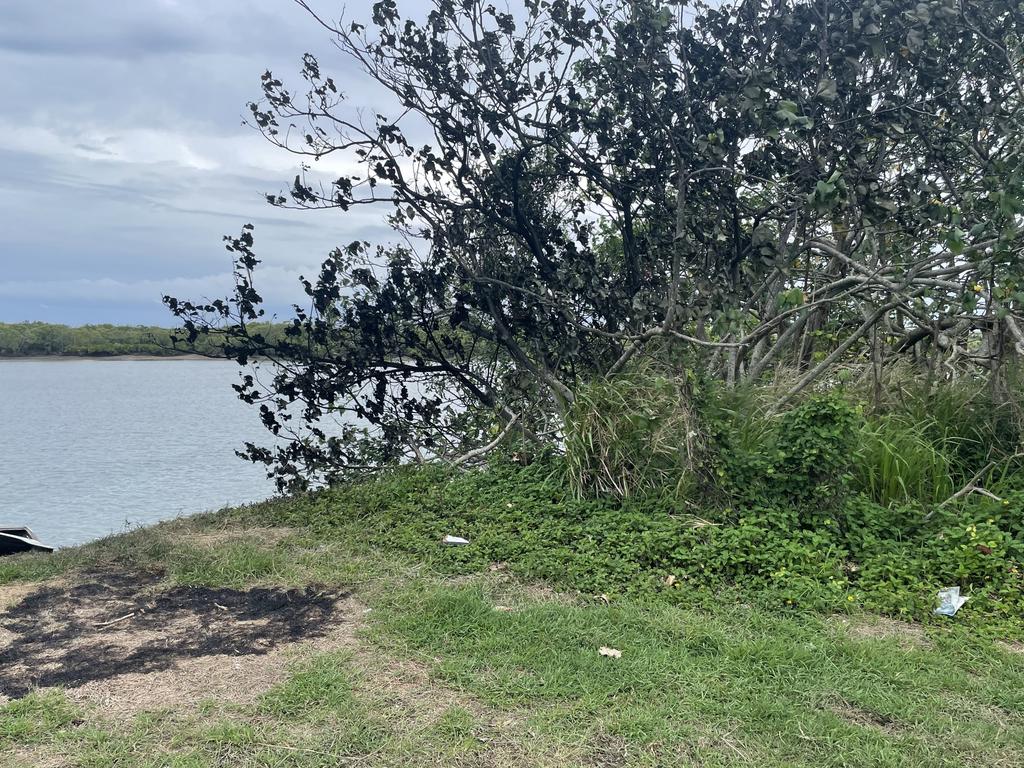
point(800, 458)
point(815, 440)
point(795, 520)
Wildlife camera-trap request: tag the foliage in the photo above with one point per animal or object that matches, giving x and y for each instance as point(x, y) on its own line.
point(898, 463)
point(570, 184)
point(799, 458)
point(814, 444)
point(629, 435)
point(966, 417)
point(855, 554)
point(45, 339)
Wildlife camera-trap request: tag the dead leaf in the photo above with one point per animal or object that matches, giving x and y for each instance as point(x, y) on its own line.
point(612, 653)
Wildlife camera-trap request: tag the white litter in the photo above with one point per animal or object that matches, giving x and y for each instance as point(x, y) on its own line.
point(950, 601)
point(455, 540)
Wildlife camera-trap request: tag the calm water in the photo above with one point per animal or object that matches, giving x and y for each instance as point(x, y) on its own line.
point(88, 447)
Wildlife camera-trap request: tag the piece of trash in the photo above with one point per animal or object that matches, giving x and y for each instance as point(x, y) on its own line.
point(605, 598)
point(612, 653)
point(455, 540)
point(115, 621)
point(670, 580)
point(950, 601)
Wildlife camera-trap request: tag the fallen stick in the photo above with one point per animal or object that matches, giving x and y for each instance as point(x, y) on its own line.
point(114, 621)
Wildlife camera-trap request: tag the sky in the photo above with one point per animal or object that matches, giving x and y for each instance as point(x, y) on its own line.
point(124, 161)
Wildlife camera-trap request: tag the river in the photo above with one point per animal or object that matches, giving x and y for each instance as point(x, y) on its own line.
point(90, 447)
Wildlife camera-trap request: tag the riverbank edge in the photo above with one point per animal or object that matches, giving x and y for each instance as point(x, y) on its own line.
point(397, 679)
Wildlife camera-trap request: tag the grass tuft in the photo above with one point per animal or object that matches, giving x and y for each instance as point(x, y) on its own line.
point(629, 435)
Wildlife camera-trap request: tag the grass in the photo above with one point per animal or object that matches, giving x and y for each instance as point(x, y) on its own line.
point(898, 463)
point(630, 435)
point(740, 686)
point(484, 669)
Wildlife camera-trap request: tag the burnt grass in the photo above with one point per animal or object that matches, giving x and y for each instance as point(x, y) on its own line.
point(112, 623)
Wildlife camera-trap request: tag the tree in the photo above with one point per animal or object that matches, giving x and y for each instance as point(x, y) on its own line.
point(576, 187)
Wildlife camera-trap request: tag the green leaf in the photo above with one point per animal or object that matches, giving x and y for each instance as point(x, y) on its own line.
point(827, 90)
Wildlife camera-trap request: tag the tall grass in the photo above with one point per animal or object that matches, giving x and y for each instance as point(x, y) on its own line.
point(960, 417)
point(630, 434)
point(899, 461)
point(920, 443)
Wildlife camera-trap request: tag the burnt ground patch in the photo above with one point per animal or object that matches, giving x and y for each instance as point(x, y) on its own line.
point(115, 622)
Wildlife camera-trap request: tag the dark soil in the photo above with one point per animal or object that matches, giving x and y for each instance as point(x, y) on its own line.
point(67, 636)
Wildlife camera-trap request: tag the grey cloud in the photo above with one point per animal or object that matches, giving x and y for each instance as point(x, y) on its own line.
point(123, 161)
point(141, 28)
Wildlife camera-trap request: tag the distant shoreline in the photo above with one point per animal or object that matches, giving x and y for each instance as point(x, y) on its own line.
point(103, 358)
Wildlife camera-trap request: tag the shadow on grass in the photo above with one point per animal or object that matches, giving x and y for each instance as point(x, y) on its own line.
point(115, 622)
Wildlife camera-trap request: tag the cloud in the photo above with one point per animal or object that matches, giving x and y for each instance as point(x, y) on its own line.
point(125, 161)
point(143, 28)
point(240, 151)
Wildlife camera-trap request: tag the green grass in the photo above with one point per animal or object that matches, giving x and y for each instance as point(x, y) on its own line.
point(898, 462)
point(786, 690)
point(737, 686)
point(459, 664)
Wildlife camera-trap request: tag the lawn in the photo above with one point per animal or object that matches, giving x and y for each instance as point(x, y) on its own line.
point(402, 664)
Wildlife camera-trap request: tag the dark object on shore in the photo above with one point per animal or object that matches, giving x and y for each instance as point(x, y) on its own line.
point(19, 538)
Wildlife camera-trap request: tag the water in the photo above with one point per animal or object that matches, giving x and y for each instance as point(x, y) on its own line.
point(90, 447)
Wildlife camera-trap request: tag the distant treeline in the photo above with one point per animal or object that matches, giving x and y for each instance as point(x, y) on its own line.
point(46, 339)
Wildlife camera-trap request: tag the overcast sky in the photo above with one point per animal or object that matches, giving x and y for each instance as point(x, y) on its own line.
point(124, 160)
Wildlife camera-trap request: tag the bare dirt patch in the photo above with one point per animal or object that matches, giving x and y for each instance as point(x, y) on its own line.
point(11, 594)
point(852, 713)
point(118, 633)
point(221, 678)
point(38, 757)
point(608, 751)
point(908, 636)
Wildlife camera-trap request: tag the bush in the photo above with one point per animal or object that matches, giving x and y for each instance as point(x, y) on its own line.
point(821, 507)
point(815, 443)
